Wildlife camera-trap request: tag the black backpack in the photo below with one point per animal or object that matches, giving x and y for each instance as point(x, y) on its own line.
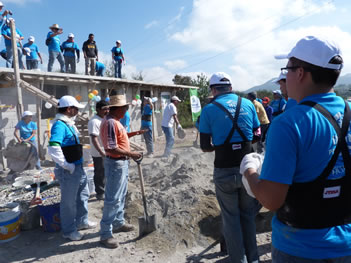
point(48, 41)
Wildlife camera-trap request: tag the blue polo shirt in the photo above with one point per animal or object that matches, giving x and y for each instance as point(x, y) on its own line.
point(278, 105)
point(216, 122)
point(68, 44)
point(26, 129)
point(6, 30)
point(63, 135)
point(126, 121)
point(33, 51)
point(301, 143)
point(117, 49)
point(55, 42)
point(148, 112)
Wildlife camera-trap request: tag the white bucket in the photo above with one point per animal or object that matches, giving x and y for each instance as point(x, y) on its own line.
point(9, 222)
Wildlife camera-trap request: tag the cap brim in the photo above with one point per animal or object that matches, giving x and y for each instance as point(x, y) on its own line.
point(118, 105)
point(282, 56)
point(80, 106)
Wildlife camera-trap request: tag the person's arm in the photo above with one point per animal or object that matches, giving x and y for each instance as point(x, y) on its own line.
point(32, 135)
point(131, 134)
point(84, 50)
point(119, 151)
point(175, 117)
point(17, 136)
point(270, 194)
point(150, 103)
point(97, 145)
point(78, 54)
point(60, 31)
point(41, 60)
point(205, 142)
point(96, 52)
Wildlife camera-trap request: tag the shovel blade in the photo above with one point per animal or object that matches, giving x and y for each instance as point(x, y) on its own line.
point(147, 225)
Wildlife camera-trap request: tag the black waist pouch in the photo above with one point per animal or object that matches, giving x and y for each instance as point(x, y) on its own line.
point(230, 155)
point(73, 153)
point(146, 117)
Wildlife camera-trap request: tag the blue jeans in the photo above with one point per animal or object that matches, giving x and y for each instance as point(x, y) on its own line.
point(168, 131)
point(148, 139)
point(118, 68)
point(238, 211)
point(116, 174)
point(9, 55)
point(32, 64)
point(52, 56)
point(280, 257)
point(74, 198)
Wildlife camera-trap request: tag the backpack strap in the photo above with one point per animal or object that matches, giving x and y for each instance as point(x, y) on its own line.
point(234, 120)
point(74, 135)
point(341, 132)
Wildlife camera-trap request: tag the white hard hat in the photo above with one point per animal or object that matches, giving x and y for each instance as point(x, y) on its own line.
point(69, 101)
point(70, 35)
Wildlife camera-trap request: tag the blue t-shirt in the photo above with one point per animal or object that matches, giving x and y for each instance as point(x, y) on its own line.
point(216, 122)
point(33, 51)
point(301, 143)
point(269, 112)
point(63, 135)
point(126, 121)
point(119, 51)
point(290, 103)
point(148, 112)
point(278, 105)
point(54, 43)
point(26, 130)
point(99, 66)
point(6, 30)
point(68, 53)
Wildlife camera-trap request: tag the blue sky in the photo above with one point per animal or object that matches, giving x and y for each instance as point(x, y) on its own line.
point(189, 37)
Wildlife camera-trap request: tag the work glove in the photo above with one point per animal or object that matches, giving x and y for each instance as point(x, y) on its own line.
point(77, 60)
point(254, 161)
point(58, 157)
point(179, 126)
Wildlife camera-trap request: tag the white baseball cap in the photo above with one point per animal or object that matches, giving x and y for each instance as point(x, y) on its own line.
point(27, 113)
point(220, 78)
point(281, 76)
point(119, 41)
point(1, 4)
point(69, 101)
point(277, 92)
point(175, 98)
point(70, 35)
point(31, 38)
point(315, 50)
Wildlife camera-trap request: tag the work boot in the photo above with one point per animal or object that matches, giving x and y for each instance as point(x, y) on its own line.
point(110, 242)
point(124, 228)
point(89, 225)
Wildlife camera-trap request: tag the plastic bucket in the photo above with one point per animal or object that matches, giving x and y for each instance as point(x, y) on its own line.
point(9, 222)
point(50, 217)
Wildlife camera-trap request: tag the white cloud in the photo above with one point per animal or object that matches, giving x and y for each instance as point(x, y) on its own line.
point(151, 24)
point(158, 75)
point(175, 64)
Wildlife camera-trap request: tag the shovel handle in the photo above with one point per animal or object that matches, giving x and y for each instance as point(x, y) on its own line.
point(142, 189)
point(138, 161)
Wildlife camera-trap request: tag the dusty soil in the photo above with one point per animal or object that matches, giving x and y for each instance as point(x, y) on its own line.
point(180, 192)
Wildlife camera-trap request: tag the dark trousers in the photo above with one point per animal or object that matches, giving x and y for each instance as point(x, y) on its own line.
point(99, 175)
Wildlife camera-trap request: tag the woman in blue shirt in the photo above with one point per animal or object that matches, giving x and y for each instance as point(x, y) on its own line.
point(27, 130)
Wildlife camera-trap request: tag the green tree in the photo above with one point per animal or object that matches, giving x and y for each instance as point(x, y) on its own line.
point(138, 76)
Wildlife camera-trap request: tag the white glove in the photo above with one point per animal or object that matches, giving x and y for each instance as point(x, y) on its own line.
point(179, 126)
point(251, 160)
point(58, 157)
point(77, 60)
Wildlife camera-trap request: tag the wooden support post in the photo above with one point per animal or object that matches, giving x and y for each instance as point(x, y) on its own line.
point(39, 133)
point(152, 116)
point(16, 69)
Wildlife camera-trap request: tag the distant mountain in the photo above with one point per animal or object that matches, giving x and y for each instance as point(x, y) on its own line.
point(269, 85)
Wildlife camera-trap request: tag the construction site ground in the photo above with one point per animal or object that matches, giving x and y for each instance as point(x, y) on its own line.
point(180, 192)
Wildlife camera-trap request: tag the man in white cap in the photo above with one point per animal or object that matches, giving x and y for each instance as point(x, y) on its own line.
point(278, 103)
point(281, 81)
point(227, 127)
point(118, 58)
point(53, 42)
point(3, 15)
point(66, 151)
point(308, 180)
point(169, 117)
point(70, 49)
point(115, 141)
point(32, 54)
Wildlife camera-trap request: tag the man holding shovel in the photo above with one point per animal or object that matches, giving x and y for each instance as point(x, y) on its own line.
point(115, 141)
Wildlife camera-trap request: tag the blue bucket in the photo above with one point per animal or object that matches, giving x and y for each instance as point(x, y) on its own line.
point(50, 217)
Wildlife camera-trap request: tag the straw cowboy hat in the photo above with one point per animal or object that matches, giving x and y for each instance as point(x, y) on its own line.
point(55, 26)
point(118, 101)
